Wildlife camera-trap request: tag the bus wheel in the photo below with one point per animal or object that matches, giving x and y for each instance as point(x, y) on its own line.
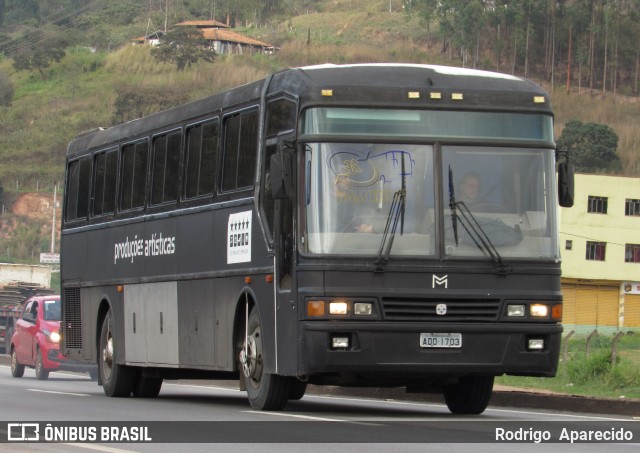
point(470, 395)
point(266, 391)
point(17, 370)
point(117, 380)
point(147, 387)
point(298, 389)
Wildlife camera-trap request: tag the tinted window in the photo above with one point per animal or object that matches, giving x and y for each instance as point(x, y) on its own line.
point(241, 141)
point(166, 164)
point(105, 169)
point(202, 148)
point(134, 172)
point(78, 180)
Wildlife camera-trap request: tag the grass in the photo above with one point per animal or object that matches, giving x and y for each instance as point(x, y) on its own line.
point(594, 375)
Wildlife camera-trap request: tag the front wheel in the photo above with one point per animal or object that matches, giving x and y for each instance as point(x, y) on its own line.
point(470, 395)
point(17, 370)
point(41, 372)
point(266, 391)
point(117, 380)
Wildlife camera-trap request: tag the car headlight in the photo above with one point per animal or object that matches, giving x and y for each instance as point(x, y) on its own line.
point(53, 337)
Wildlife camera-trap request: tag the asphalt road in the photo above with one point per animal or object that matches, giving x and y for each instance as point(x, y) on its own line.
point(214, 418)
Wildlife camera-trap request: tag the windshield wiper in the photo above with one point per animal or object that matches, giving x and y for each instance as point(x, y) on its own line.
point(473, 228)
point(396, 215)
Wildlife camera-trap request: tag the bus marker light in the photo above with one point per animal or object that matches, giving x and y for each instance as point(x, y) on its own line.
point(337, 308)
point(327, 92)
point(315, 308)
point(269, 278)
point(435, 95)
point(340, 342)
point(457, 97)
point(535, 344)
point(362, 308)
point(247, 280)
point(538, 100)
point(120, 288)
point(539, 310)
point(413, 95)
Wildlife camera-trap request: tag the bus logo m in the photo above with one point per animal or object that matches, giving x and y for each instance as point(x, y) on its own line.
point(439, 281)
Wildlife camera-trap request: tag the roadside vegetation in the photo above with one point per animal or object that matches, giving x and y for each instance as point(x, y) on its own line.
point(593, 374)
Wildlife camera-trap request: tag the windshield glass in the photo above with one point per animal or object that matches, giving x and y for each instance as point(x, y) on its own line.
point(509, 193)
point(52, 310)
point(349, 191)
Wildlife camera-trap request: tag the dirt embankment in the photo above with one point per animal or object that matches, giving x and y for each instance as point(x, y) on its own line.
point(29, 207)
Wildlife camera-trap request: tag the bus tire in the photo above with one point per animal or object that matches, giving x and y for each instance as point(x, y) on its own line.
point(266, 391)
point(147, 387)
point(298, 389)
point(117, 380)
point(41, 373)
point(470, 395)
point(17, 370)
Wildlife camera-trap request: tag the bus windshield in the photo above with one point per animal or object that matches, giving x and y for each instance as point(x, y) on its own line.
point(497, 195)
point(350, 188)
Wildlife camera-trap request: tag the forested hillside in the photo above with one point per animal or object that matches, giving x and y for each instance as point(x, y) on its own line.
point(67, 66)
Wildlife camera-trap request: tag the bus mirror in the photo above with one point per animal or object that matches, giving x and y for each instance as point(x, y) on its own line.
point(565, 185)
point(280, 170)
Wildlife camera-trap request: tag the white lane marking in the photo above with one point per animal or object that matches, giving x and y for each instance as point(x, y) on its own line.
point(310, 417)
point(99, 448)
point(58, 393)
point(306, 417)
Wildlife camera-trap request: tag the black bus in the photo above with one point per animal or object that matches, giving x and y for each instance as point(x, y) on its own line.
point(386, 225)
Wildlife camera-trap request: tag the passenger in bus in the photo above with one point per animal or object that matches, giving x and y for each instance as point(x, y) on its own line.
point(469, 186)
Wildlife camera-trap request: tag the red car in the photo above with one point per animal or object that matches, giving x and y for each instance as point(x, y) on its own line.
point(36, 340)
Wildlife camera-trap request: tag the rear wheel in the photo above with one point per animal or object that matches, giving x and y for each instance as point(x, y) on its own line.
point(470, 395)
point(147, 387)
point(298, 389)
point(266, 391)
point(117, 380)
point(41, 372)
point(17, 370)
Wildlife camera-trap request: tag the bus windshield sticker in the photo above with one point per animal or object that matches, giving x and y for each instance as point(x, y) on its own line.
point(239, 238)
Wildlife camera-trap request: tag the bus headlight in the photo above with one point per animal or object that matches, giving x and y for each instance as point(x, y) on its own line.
point(516, 311)
point(363, 308)
point(539, 310)
point(338, 308)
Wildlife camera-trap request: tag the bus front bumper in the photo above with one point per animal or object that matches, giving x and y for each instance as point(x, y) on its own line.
point(399, 349)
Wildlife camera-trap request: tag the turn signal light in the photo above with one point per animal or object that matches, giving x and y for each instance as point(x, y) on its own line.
point(315, 308)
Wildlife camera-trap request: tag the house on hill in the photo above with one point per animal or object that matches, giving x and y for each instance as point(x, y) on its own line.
point(223, 40)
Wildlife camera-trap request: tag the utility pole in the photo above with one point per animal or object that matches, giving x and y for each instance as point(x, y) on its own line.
point(53, 219)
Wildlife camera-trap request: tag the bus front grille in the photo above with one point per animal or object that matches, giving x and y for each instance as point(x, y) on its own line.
point(72, 319)
point(419, 309)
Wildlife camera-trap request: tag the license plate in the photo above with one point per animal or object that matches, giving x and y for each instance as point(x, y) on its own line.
point(440, 340)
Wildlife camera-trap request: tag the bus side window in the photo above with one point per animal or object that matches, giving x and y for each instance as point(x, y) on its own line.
point(240, 147)
point(202, 151)
point(77, 192)
point(134, 175)
point(166, 162)
point(105, 167)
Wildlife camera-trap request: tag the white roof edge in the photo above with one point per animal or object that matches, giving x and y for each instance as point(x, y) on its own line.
point(449, 70)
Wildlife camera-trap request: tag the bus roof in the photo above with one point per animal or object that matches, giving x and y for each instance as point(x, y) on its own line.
point(374, 85)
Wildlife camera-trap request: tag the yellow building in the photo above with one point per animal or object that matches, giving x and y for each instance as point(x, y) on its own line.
point(600, 247)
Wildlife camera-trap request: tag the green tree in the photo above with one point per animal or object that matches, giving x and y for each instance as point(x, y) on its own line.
point(591, 147)
point(38, 51)
point(183, 46)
